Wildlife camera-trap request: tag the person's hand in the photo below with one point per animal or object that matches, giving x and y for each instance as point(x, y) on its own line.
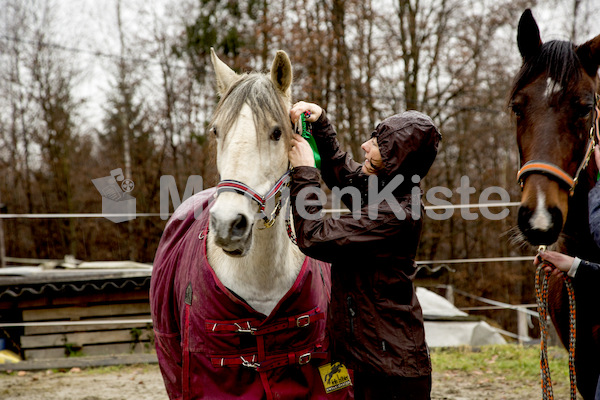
point(597, 155)
point(300, 154)
point(562, 262)
point(302, 107)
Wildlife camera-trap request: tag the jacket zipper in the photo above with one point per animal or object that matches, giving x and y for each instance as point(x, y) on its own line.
point(351, 313)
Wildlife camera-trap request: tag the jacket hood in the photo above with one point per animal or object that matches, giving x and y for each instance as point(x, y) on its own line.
point(408, 143)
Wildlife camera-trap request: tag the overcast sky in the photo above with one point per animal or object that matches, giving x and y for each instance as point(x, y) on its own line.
point(91, 25)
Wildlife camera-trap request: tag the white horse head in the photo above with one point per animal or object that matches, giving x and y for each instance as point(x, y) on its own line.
point(252, 129)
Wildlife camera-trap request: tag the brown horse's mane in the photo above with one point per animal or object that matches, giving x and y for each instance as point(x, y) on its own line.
point(557, 59)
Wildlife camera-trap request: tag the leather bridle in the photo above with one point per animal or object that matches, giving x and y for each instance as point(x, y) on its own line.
point(557, 173)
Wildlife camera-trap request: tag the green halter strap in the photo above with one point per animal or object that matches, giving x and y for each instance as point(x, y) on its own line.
point(307, 134)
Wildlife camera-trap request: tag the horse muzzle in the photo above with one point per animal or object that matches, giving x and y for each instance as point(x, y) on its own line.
point(232, 231)
point(544, 206)
point(540, 226)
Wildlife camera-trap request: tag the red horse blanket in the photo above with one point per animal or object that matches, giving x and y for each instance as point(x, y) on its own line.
point(211, 344)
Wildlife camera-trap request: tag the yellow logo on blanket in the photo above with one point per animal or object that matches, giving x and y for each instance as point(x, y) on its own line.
point(334, 376)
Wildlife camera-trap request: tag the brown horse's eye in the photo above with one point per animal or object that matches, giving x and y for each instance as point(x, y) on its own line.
point(584, 111)
point(276, 134)
point(213, 130)
point(517, 110)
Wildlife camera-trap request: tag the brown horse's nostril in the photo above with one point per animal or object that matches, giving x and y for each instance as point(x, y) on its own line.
point(545, 234)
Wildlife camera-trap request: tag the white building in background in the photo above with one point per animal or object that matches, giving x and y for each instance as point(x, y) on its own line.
point(447, 326)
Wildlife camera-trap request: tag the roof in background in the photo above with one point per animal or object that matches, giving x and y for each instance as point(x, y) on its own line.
point(74, 277)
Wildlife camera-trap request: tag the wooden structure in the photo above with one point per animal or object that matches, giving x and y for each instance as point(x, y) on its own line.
point(96, 309)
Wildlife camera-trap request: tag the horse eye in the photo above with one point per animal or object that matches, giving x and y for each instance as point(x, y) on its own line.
point(517, 110)
point(213, 130)
point(276, 134)
point(584, 111)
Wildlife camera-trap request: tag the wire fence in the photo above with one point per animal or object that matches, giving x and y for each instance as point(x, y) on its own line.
point(492, 304)
point(327, 211)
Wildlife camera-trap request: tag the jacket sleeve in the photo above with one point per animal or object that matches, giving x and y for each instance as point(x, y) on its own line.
point(336, 164)
point(588, 271)
point(594, 210)
point(357, 233)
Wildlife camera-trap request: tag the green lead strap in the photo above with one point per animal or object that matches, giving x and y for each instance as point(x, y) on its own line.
point(307, 134)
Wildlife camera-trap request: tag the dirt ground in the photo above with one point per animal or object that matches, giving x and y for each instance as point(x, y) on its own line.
point(144, 382)
point(460, 385)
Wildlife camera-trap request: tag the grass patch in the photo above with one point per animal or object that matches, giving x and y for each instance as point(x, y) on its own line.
point(519, 365)
point(511, 361)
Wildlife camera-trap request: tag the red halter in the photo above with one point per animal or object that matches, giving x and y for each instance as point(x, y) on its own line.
point(230, 185)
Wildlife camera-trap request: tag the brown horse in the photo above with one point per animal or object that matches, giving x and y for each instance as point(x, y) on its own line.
point(553, 101)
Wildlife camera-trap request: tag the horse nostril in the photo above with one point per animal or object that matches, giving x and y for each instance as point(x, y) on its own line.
point(238, 227)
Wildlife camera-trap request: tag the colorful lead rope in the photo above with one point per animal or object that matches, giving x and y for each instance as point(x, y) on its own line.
point(541, 289)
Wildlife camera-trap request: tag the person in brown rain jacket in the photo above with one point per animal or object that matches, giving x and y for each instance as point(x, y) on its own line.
point(375, 319)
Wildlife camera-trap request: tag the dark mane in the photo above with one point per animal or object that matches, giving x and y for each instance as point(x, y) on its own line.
point(556, 59)
point(259, 93)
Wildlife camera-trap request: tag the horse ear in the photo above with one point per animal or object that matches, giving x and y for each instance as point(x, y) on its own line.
point(528, 35)
point(281, 72)
point(589, 55)
point(225, 75)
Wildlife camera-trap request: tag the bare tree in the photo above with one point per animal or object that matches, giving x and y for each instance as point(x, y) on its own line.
point(42, 110)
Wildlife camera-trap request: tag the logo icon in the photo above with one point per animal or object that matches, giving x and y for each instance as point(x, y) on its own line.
point(335, 376)
point(117, 204)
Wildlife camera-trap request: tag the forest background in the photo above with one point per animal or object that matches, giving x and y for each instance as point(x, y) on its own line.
point(136, 90)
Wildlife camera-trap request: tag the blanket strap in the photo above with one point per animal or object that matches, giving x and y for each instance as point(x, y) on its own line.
point(300, 357)
point(253, 326)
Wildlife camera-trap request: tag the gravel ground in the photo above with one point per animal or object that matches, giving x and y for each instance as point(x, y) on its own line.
point(144, 382)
